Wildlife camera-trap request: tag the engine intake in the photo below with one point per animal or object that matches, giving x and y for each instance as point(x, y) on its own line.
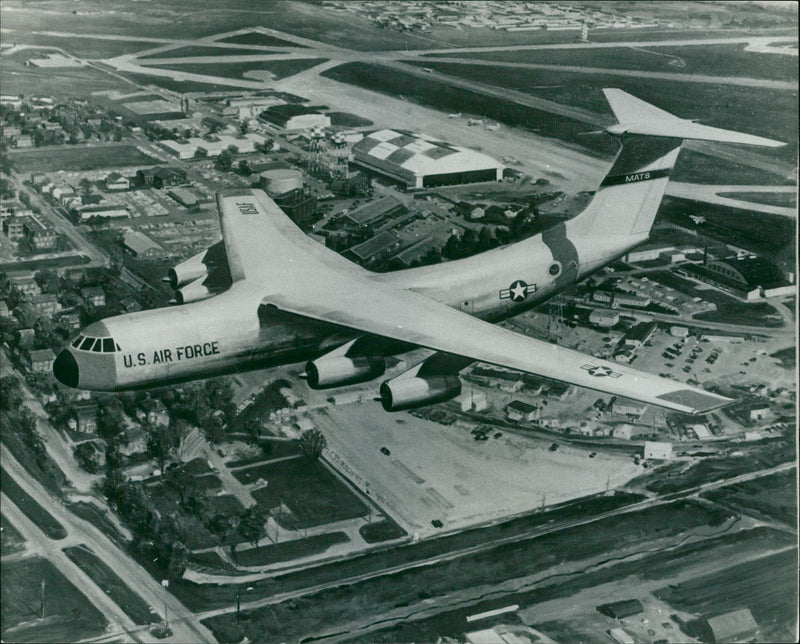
point(407, 393)
point(197, 266)
point(334, 371)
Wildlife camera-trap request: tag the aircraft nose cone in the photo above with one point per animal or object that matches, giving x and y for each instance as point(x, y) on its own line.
point(65, 369)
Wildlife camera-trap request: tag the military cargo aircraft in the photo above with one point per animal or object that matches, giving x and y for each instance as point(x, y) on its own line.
point(268, 295)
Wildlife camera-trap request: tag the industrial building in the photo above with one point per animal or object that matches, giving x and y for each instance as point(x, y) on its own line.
point(736, 626)
point(657, 450)
point(375, 213)
point(140, 245)
point(621, 609)
point(419, 161)
point(375, 249)
point(750, 277)
point(295, 117)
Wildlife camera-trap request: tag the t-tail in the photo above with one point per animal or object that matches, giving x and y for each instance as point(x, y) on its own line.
point(622, 211)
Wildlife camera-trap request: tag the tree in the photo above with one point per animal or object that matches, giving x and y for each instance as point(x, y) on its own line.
point(200, 153)
point(181, 481)
point(225, 160)
point(244, 168)
point(251, 524)
point(312, 442)
point(220, 524)
point(177, 561)
point(160, 444)
point(10, 393)
point(252, 427)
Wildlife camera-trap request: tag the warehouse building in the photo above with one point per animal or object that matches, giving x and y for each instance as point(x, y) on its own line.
point(140, 245)
point(750, 277)
point(736, 626)
point(375, 213)
point(419, 161)
point(375, 249)
point(295, 117)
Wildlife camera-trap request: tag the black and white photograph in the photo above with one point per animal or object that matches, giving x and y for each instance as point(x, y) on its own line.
point(398, 321)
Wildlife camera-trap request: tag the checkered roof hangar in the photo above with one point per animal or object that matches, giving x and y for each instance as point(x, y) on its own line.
point(421, 155)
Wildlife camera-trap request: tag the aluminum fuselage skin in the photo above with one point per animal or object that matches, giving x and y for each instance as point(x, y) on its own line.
point(235, 330)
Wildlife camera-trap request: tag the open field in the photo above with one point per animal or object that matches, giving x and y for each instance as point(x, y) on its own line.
point(35, 512)
point(257, 38)
point(182, 87)
point(69, 615)
point(11, 540)
point(771, 496)
point(727, 106)
point(205, 597)
point(201, 50)
point(770, 235)
point(378, 531)
point(277, 68)
point(718, 60)
point(89, 512)
point(307, 488)
point(80, 47)
point(696, 167)
point(785, 199)
point(766, 586)
point(505, 562)
point(106, 579)
point(675, 477)
point(288, 550)
point(76, 82)
point(78, 158)
point(663, 564)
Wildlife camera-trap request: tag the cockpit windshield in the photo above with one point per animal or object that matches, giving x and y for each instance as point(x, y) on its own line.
point(96, 345)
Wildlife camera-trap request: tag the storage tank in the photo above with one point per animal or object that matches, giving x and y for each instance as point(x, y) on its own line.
point(280, 180)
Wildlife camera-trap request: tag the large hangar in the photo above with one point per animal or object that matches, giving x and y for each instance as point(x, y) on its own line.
point(420, 161)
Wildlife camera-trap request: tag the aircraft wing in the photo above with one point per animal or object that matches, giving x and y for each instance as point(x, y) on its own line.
point(302, 277)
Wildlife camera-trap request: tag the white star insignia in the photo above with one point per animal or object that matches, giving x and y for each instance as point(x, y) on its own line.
point(519, 290)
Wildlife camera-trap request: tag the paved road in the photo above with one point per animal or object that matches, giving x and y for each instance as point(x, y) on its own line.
point(186, 627)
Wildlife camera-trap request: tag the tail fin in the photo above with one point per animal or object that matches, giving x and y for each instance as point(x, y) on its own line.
point(623, 209)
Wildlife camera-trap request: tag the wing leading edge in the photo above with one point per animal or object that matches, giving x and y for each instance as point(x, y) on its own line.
point(300, 276)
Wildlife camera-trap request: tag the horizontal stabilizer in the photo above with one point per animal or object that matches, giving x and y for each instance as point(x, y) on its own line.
point(634, 116)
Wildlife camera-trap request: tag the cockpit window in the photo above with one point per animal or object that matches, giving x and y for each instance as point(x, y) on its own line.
point(108, 345)
point(87, 344)
point(77, 341)
point(98, 345)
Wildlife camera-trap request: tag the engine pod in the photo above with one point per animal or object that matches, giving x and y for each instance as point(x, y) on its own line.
point(334, 371)
point(407, 393)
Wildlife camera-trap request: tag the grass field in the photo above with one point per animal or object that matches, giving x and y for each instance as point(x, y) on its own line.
point(78, 158)
point(205, 597)
point(278, 68)
point(304, 616)
point(288, 550)
point(783, 199)
point(11, 540)
point(346, 119)
point(90, 513)
point(659, 565)
point(280, 449)
point(773, 497)
point(672, 478)
point(35, 512)
point(79, 82)
point(69, 615)
point(182, 87)
point(712, 60)
point(119, 592)
point(444, 97)
point(767, 586)
point(201, 50)
point(307, 488)
point(727, 106)
point(695, 167)
point(385, 530)
point(257, 38)
point(87, 47)
point(765, 234)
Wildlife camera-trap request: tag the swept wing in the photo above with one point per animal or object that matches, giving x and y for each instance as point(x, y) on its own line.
point(300, 276)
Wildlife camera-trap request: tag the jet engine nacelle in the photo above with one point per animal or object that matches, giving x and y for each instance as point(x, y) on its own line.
point(333, 371)
point(187, 271)
point(408, 393)
point(194, 291)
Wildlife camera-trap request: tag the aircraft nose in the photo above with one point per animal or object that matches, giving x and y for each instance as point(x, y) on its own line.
point(65, 369)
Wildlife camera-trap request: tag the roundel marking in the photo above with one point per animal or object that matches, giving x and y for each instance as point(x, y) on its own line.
point(599, 372)
point(518, 290)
